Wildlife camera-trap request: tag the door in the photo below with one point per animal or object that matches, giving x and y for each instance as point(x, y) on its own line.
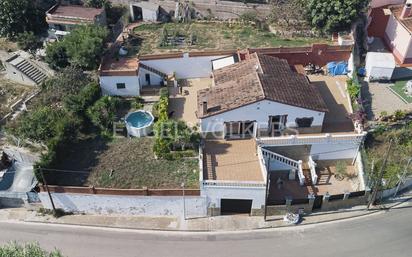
point(277, 124)
point(147, 79)
point(235, 206)
point(239, 129)
point(318, 202)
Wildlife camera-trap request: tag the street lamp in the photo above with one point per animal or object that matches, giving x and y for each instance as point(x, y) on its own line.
point(184, 201)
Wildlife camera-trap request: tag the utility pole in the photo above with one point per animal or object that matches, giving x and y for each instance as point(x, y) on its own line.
point(380, 176)
point(48, 190)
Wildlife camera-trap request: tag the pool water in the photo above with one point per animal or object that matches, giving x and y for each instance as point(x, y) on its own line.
point(139, 119)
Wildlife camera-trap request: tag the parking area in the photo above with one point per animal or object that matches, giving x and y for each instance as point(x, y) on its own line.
point(380, 98)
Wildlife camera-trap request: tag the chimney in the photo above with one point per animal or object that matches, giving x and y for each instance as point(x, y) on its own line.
point(204, 105)
point(406, 12)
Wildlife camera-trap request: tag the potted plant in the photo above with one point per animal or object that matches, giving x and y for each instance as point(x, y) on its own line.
point(340, 170)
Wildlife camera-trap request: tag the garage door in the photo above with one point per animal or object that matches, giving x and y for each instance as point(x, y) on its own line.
point(235, 206)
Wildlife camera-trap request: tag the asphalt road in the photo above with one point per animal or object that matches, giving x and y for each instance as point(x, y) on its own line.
point(377, 235)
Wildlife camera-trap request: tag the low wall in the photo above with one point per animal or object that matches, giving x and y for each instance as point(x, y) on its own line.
point(346, 202)
point(384, 194)
point(195, 206)
point(122, 192)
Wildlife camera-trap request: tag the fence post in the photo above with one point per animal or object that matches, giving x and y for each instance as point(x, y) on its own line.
point(146, 191)
point(346, 195)
point(311, 198)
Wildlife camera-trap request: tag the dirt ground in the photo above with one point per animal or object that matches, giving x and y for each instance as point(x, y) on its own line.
point(10, 93)
point(212, 36)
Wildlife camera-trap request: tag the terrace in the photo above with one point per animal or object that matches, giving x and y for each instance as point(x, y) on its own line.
point(231, 161)
point(333, 91)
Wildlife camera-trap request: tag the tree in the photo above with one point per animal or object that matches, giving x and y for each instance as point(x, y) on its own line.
point(334, 15)
point(102, 113)
point(85, 45)
point(29, 249)
point(56, 55)
point(98, 3)
point(28, 42)
point(18, 16)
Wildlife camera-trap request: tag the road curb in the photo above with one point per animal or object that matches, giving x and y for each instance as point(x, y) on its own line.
point(267, 228)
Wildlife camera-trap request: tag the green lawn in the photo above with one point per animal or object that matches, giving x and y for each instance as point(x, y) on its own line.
point(399, 88)
point(132, 162)
point(213, 36)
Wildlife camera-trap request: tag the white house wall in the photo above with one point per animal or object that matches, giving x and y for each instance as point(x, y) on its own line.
point(260, 113)
point(149, 15)
point(215, 194)
point(185, 67)
point(399, 38)
point(334, 151)
point(108, 85)
point(155, 79)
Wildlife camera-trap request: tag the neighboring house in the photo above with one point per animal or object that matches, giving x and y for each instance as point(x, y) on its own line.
point(127, 76)
point(144, 11)
point(21, 69)
point(64, 18)
point(398, 32)
point(261, 95)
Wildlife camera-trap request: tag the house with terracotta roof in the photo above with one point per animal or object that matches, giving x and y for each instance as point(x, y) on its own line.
point(63, 18)
point(260, 95)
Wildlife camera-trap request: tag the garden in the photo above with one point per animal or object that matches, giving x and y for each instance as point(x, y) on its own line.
point(210, 35)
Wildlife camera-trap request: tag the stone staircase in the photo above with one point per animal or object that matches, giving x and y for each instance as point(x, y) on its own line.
point(153, 70)
point(209, 174)
point(31, 71)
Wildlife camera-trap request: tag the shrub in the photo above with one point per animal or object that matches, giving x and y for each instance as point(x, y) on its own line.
point(28, 249)
point(353, 89)
point(102, 113)
point(399, 115)
point(56, 55)
point(78, 103)
point(340, 170)
point(28, 42)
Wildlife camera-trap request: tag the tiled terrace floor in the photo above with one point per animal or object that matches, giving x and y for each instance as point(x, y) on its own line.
point(327, 183)
point(184, 105)
point(231, 160)
point(333, 91)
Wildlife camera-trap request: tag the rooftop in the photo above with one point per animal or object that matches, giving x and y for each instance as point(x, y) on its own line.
point(121, 66)
point(397, 12)
point(72, 14)
point(257, 78)
point(232, 160)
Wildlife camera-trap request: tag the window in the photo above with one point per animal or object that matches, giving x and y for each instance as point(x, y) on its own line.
point(304, 122)
point(120, 85)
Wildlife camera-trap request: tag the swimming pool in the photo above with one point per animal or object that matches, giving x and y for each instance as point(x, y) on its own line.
point(139, 123)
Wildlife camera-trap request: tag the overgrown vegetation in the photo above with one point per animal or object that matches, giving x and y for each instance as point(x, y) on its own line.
point(213, 35)
point(83, 47)
point(376, 147)
point(57, 115)
point(26, 250)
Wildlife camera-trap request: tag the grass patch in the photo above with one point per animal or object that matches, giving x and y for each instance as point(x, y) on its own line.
point(399, 89)
point(214, 36)
point(122, 163)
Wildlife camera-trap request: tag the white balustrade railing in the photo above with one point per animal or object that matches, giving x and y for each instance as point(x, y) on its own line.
point(312, 139)
point(300, 174)
point(312, 167)
point(280, 158)
point(233, 184)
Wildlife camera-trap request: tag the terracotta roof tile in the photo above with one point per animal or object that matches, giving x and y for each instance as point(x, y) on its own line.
point(257, 78)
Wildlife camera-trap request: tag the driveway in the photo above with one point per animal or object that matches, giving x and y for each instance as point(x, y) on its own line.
point(380, 99)
point(20, 177)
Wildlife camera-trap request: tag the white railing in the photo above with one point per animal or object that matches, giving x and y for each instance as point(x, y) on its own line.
point(200, 163)
point(280, 158)
point(262, 163)
point(233, 184)
point(300, 174)
point(313, 139)
point(312, 167)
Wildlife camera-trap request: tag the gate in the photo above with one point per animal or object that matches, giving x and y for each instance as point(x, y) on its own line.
point(318, 202)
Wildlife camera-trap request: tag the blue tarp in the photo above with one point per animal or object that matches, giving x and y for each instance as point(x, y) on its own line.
point(340, 68)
